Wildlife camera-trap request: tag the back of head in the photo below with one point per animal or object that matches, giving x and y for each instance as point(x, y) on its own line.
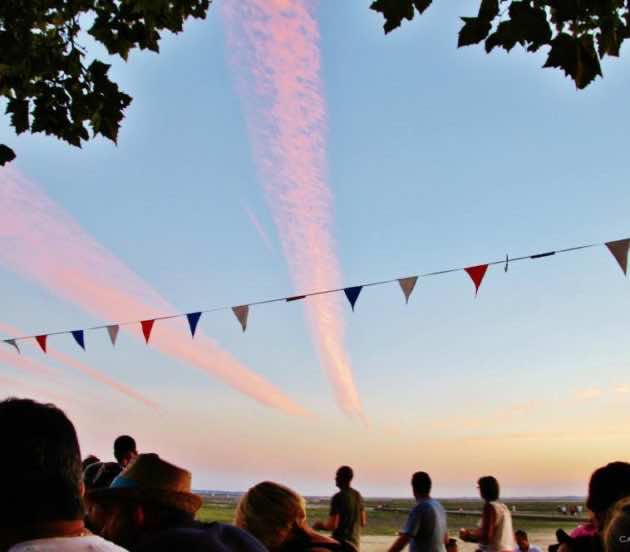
point(488, 488)
point(124, 448)
point(41, 465)
point(608, 484)
point(270, 512)
point(344, 476)
point(617, 531)
point(421, 483)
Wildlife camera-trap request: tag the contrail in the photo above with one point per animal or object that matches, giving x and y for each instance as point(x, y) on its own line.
point(31, 365)
point(276, 60)
point(39, 240)
point(260, 230)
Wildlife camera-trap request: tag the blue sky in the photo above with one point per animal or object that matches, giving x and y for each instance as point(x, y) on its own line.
point(437, 157)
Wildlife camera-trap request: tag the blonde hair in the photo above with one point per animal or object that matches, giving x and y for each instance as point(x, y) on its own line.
point(617, 529)
point(270, 512)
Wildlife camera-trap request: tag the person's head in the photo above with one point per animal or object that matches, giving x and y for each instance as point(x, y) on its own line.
point(488, 488)
point(607, 485)
point(451, 545)
point(148, 496)
point(271, 512)
point(343, 477)
point(421, 484)
point(125, 450)
point(91, 459)
point(617, 531)
point(522, 541)
point(41, 467)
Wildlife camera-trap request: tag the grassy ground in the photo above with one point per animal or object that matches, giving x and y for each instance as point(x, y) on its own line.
point(381, 522)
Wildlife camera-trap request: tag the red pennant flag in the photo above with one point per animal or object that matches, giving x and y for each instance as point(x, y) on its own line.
point(41, 340)
point(147, 326)
point(619, 250)
point(476, 274)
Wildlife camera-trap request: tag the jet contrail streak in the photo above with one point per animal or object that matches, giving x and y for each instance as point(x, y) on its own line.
point(39, 240)
point(275, 56)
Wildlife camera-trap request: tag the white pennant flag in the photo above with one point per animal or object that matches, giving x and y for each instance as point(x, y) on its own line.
point(113, 333)
point(241, 314)
point(13, 343)
point(407, 285)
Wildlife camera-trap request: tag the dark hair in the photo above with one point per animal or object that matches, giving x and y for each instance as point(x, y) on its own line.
point(123, 445)
point(608, 484)
point(41, 465)
point(345, 474)
point(421, 483)
point(91, 459)
point(488, 488)
point(520, 533)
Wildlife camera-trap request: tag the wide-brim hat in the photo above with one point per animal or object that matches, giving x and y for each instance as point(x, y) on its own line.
point(150, 479)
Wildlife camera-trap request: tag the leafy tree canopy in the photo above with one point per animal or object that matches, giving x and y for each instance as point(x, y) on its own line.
point(578, 33)
point(43, 72)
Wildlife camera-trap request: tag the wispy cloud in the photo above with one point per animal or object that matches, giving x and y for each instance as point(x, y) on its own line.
point(276, 59)
point(260, 229)
point(40, 241)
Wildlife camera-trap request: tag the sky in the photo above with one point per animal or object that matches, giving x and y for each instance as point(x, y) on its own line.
point(283, 147)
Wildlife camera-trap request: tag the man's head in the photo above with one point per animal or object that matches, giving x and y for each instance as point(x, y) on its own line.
point(343, 477)
point(522, 541)
point(488, 488)
point(125, 450)
point(41, 465)
point(421, 484)
point(607, 485)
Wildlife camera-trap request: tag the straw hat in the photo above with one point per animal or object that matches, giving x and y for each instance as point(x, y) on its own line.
point(149, 478)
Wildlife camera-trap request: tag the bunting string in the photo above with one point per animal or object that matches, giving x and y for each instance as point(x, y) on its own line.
point(617, 248)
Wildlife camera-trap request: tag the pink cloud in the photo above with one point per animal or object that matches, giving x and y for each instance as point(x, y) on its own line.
point(275, 55)
point(40, 241)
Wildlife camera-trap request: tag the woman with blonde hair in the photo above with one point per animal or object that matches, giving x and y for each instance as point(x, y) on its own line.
point(276, 516)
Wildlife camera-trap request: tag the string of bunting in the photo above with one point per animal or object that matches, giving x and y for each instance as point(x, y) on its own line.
point(618, 249)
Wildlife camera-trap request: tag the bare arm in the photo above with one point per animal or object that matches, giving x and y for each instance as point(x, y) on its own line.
point(399, 543)
point(363, 518)
point(329, 525)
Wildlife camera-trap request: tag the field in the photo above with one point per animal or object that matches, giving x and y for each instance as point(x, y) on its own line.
point(386, 516)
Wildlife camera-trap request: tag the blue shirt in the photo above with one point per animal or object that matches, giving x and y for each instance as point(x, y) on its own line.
point(426, 525)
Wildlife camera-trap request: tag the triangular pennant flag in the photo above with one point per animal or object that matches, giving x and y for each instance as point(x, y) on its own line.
point(352, 293)
point(407, 285)
point(193, 320)
point(13, 343)
point(79, 338)
point(241, 314)
point(147, 326)
point(476, 274)
point(619, 250)
point(113, 333)
point(41, 340)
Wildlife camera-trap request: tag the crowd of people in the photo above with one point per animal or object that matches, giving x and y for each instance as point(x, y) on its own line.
point(52, 501)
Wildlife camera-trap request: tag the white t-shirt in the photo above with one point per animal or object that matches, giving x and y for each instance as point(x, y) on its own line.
point(89, 543)
point(532, 548)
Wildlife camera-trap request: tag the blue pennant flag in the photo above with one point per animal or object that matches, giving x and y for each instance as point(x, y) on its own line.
point(193, 320)
point(352, 293)
point(78, 337)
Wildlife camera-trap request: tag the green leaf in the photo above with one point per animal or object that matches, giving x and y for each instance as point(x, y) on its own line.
point(6, 155)
point(488, 9)
point(394, 11)
point(473, 31)
point(19, 114)
point(576, 57)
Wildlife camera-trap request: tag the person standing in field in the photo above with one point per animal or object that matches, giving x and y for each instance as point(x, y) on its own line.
point(347, 514)
point(425, 529)
point(496, 533)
